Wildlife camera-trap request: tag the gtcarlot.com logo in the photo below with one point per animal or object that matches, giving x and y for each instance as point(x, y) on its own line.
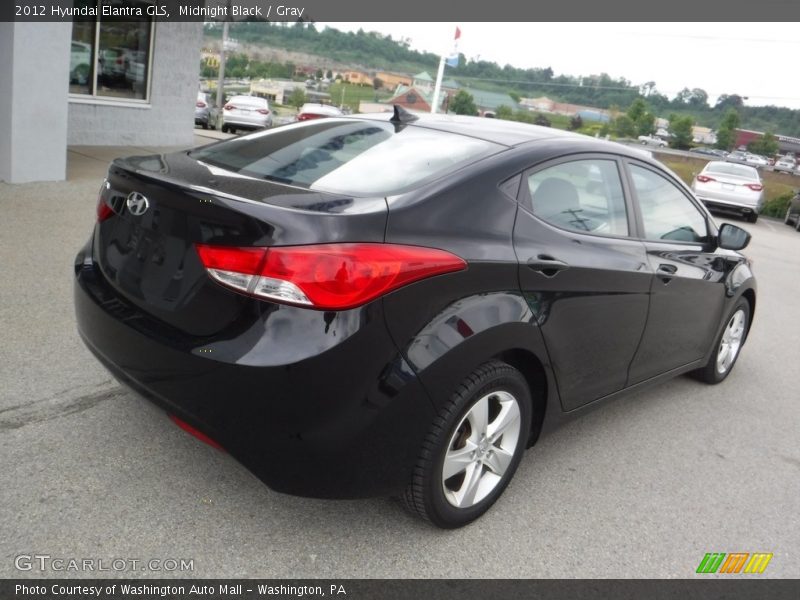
point(46, 562)
point(735, 562)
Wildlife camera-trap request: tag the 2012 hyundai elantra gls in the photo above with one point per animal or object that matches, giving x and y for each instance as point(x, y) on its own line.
point(400, 305)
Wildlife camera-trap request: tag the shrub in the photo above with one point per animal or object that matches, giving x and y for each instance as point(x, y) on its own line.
point(776, 207)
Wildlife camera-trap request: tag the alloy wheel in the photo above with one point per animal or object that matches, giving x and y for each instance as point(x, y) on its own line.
point(731, 341)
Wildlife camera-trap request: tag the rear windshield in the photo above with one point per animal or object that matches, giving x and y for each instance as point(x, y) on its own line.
point(360, 158)
point(735, 170)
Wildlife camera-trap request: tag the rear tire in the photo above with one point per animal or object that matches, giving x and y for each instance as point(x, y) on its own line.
point(728, 345)
point(225, 129)
point(786, 219)
point(752, 218)
point(473, 447)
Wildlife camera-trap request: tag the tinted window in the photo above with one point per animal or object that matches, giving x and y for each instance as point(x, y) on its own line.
point(583, 195)
point(666, 211)
point(348, 156)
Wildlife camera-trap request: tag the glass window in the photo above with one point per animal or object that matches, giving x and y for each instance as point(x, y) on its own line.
point(666, 211)
point(353, 157)
point(582, 195)
point(110, 57)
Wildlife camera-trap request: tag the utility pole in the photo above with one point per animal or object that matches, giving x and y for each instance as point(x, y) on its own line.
point(221, 78)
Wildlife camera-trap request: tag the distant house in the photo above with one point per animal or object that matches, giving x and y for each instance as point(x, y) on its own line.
point(541, 104)
point(703, 135)
point(357, 77)
point(274, 90)
point(414, 98)
point(390, 81)
point(546, 105)
point(489, 102)
point(423, 81)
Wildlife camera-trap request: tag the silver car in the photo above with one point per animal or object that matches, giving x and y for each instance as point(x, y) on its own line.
point(205, 113)
point(785, 164)
point(246, 112)
point(730, 188)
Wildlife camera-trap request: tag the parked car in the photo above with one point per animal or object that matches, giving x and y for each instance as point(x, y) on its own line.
point(206, 114)
point(756, 160)
point(737, 156)
point(400, 306)
point(793, 212)
point(652, 140)
point(246, 112)
point(314, 110)
point(785, 164)
point(706, 151)
point(729, 188)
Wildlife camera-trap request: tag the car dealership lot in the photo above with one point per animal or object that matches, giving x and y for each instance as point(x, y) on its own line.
point(643, 487)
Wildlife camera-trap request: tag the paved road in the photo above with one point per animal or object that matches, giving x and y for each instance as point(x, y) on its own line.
point(643, 488)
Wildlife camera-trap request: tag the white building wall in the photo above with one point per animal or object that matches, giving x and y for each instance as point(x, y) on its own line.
point(34, 75)
point(168, 118)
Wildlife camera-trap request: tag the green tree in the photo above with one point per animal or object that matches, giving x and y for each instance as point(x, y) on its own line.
point(637, 109)
point(624, 126)
point(681, 129)
point(575, 123)
point(766, 145)
point(515, 96)
point(504, 112)
point(726, 132)
point(542, 120)
point(643, 120)
point(464, 104)
point(297, 98)
point(329, 74)
point(319, 73)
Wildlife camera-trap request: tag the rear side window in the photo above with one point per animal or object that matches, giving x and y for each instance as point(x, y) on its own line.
point(354, 157)
point(667, 213)
point(582, 195)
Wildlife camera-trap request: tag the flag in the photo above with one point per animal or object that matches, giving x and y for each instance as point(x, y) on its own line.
point(452, 59)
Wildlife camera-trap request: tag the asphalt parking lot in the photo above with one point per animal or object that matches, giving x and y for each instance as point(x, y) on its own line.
point(643, 487)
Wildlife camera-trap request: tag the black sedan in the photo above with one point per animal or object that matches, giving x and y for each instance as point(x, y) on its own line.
point(400, 305)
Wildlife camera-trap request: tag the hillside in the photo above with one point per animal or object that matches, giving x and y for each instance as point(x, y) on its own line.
point(302, 43)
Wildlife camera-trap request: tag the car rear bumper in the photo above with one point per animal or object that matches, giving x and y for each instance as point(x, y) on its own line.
point(343, 423)
point(733, 208)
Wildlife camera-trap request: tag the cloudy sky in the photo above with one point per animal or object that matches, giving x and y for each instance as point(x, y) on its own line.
point(757, 60)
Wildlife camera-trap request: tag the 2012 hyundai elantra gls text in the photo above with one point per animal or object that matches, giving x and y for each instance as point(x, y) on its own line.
point(400, 305)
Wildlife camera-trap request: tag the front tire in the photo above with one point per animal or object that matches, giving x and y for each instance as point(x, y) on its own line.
point(727, 345)
point(473, 447)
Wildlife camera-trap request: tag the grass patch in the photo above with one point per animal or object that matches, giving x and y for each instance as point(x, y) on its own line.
point(351, 95)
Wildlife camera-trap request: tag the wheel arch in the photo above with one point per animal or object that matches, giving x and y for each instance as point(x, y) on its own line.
point(532, 369)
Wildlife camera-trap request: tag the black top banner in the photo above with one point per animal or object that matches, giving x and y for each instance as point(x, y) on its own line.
point(712, 11)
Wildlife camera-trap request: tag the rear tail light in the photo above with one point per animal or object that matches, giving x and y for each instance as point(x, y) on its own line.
point(228, 107)
point(325, 276)
point(104, 211)
point(263, 111)
point(704, 178)
point(307, 116)
point(201, 105)
point(756, 187)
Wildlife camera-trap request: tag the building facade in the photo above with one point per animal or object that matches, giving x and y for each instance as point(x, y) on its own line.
point(91, 82)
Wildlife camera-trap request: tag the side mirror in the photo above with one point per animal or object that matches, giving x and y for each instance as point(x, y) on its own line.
point(732, 237)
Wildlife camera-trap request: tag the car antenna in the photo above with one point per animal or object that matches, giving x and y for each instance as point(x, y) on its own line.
point(401, 118)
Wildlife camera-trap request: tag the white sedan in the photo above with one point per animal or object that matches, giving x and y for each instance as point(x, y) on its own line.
point(730, 188)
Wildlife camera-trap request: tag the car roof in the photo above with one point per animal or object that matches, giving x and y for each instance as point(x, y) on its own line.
point(499, 131)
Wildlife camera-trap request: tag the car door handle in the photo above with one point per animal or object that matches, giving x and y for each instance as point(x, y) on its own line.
point(547, 265)
point(667, 269)
point(666, 272)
